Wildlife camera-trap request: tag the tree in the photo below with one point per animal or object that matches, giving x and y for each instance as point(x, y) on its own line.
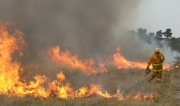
point(151, 34)
point(168, 33)
point(159, 34)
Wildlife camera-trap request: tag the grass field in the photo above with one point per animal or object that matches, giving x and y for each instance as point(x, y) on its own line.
point(125, 80)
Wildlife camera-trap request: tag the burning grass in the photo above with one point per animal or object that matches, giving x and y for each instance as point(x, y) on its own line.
point(88, 83)
point(110, 81)
point(73, 62)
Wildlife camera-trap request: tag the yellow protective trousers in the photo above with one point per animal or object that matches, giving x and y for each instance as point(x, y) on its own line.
point(158, 74)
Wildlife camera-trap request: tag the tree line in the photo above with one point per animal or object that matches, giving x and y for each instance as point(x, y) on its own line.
point(159, 37)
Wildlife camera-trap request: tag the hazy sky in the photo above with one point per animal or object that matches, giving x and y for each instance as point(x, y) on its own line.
point(157, 15)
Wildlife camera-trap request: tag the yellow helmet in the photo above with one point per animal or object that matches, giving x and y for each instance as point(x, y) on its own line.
point(156, 50)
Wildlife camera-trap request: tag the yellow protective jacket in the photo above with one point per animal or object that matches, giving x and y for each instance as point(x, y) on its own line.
point(157, 62)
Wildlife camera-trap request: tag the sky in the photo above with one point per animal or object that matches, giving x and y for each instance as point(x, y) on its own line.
point(157, 15)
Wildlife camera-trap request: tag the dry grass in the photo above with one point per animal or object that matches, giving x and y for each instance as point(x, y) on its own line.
point(14, 101)
point(110, 81)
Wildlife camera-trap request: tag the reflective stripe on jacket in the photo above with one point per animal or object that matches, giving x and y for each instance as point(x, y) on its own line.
point(156, 61)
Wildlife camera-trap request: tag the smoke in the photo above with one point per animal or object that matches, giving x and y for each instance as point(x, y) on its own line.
point(141, 46)
point(86, 27)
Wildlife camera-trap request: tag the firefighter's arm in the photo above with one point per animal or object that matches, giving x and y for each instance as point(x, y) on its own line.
point(150, 61)
point(162, 57)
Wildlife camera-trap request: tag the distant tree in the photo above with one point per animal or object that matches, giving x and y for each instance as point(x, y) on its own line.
point(173, 42)
point(142, 32)
point(168, 33)
point(159, 34)
point(151, 35)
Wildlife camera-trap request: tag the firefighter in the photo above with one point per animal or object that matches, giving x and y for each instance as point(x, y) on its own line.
point(157, 64)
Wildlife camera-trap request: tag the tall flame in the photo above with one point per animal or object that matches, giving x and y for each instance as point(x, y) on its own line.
point(8, 45)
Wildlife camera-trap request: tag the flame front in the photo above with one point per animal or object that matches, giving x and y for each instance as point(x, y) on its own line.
point(73, 62)
point(13, 85)
point(119, 96)
point(122, 63)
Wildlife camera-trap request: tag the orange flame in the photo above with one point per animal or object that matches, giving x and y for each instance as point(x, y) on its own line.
point(68, 59)
point(123, 63)
point(177, 66)
point(9, 69)
point(120, 97)
point(13, 85)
